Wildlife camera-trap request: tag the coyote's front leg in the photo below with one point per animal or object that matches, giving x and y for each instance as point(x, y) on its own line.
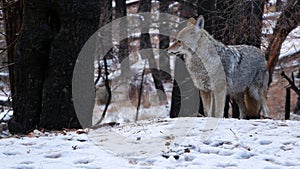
point(207, 102)
point(219, 103)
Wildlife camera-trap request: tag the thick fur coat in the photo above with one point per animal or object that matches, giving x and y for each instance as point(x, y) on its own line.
point(218, 70)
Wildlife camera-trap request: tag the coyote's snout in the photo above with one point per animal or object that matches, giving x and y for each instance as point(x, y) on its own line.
point(218, 70)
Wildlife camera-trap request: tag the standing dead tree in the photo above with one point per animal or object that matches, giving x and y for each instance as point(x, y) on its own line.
point(292, 86)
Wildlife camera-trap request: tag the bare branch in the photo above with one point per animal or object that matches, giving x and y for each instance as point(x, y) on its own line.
point(6, 66)
point(108, 90)
point(292, 84)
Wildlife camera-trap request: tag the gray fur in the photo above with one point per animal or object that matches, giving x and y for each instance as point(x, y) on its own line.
point(218, 70)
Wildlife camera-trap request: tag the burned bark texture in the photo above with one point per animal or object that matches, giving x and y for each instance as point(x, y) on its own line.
point(164, 42)
point(51, 38)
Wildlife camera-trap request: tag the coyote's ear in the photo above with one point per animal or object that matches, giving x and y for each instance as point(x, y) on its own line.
point(200, 23)
point(191, 21)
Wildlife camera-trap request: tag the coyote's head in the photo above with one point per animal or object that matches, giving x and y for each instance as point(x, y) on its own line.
point(188, 37)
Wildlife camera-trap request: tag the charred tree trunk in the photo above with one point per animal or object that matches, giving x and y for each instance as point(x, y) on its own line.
point(185, 96)
point(51, 38)
point(164, 42)
point(287, 103)
point(123, 48)
point(145, 43)
point(297, 108)
point(288, 20)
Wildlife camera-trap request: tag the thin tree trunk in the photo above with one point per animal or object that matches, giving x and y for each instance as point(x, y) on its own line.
point(12, 15)
point(185, 96)
point(287, 103)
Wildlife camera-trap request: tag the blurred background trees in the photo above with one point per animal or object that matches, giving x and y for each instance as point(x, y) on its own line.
point(40, 42)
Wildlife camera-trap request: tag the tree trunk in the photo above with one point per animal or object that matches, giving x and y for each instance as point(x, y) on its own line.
point(288, 20)
point(52, 36)
point(145, 43)
point(123, 48)
point(164, 42)
point(12, 14)
point(287, 103)
point(185, 96)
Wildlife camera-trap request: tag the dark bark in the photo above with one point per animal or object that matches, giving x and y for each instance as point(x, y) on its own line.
point(287, 103)
point(51, 38)
point(123, 47)
point(164, 41)
point(291, 83)
point(12, 14)
point(297, 107)
point(185, 96)
point(145, 43)
point(296, 90)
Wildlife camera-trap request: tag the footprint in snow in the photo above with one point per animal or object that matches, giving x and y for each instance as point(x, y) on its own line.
point(264, 142)
point(83, 161)
point(11, 153)
point(22, 167)
point(27, 162)
point(53, 155)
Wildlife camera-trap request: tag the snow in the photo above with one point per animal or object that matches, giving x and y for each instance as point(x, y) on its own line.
point(161, 143)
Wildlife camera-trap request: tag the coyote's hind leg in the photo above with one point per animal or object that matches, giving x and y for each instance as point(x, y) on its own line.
point(239, 98)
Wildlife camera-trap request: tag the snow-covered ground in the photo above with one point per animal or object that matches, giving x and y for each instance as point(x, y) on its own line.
point(161, 143)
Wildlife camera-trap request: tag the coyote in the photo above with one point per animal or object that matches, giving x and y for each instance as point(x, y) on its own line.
point(218, 70)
